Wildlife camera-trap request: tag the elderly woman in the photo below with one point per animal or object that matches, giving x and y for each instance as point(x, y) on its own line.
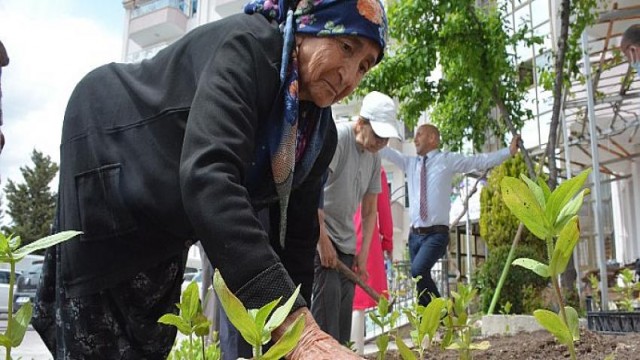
point(222, 137)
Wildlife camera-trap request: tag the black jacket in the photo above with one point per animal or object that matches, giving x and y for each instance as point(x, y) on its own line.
point(156, 155)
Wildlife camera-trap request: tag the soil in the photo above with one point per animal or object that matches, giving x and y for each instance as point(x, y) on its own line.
point(542, 345)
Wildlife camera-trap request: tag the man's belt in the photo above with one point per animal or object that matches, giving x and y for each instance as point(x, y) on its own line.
point(435, 229)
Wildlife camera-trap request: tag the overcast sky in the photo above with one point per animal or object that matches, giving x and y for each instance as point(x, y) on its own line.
point(51, 45)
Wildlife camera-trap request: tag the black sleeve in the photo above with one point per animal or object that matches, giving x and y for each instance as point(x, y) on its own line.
point(234, 93)
point(303, 228)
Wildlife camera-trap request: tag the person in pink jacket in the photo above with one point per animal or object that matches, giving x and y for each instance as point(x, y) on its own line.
point(381, 247)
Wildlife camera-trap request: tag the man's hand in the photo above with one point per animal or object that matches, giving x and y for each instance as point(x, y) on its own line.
point(314, 344)
point(360, 266)
point(513, 147)
point(327, 252)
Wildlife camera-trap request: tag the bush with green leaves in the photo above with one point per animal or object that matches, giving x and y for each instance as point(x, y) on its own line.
point(498, 225)
point(11, 253)
point(488, 275)
point(553, 218)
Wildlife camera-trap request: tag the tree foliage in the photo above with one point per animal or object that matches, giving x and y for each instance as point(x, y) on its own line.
point(31, 204)
point(475, 54)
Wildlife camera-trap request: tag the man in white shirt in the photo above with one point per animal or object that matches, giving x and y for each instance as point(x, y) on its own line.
point(429, 176)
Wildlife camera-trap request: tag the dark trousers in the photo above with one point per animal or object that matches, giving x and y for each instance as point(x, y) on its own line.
point(332, 299)
point(425, 251)
point(116, 323)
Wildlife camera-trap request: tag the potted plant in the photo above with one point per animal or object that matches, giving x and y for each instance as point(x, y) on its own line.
point(627, 316)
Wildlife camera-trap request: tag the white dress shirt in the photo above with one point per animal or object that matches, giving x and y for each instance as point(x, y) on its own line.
point(441, 167)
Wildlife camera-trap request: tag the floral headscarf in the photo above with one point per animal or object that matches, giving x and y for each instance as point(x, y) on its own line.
point(364, 18)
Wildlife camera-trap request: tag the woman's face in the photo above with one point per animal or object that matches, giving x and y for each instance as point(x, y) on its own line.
point(330, 68)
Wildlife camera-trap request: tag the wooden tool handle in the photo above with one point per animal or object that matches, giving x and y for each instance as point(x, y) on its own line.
point(342, 268)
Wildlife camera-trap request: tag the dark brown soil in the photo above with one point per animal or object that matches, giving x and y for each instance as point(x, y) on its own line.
point(541, 345)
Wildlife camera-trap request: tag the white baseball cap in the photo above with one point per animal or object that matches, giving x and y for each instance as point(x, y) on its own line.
point(380, 110)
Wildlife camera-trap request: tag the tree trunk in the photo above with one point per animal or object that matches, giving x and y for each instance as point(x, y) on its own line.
point(569, 276)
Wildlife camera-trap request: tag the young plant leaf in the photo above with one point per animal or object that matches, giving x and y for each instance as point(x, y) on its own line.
point(382, 342)
point(570, 210)
point(202, 325)
point(536, 190)
point(288, 340)
point(524, 206)
point(564, 193)
point(5, 341)
point(554, 324)
point(235, 311)
point(383, 306)
point(375, 319)
point(44, 243)
point(19, 324)
point(533, 265)
point(177, 321)
point(190, 301)
point(405, 352)
point(431, 317)
point(282, 312)
point(545, 188)
point(573, 322)
point(260, 319)
point(567, 240)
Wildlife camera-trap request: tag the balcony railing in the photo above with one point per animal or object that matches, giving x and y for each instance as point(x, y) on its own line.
point(152, 6)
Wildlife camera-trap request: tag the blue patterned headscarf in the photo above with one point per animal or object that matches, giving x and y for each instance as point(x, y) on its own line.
point(365, 18)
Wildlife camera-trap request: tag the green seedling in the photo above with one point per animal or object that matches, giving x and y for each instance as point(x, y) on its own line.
point(459, 325)
point(194, 349)
point(253, 324)
point(383, 318)
point(425, 322)
point(552, 217)
point(191, 322)
point(506, 310)
point(11, 253)
point(627, 289)
point(594, 284)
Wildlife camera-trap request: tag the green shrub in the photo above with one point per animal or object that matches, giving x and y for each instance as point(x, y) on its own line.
point(512, 291)
point(498, 225)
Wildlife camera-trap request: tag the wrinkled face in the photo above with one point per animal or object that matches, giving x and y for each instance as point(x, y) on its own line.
point(425, 140)
point(330, 68)
point(367, 138)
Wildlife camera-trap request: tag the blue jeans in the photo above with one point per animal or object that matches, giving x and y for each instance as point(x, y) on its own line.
point(425, 251)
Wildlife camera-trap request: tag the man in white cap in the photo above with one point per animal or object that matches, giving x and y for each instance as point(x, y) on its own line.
point(353, 178)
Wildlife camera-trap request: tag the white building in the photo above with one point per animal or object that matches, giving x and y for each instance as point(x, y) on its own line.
point(153, 24)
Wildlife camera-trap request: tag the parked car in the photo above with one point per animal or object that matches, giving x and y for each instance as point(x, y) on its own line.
point(26, 285)
point(4, 289)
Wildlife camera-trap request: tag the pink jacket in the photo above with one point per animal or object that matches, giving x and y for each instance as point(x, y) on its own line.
point(382, 241)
